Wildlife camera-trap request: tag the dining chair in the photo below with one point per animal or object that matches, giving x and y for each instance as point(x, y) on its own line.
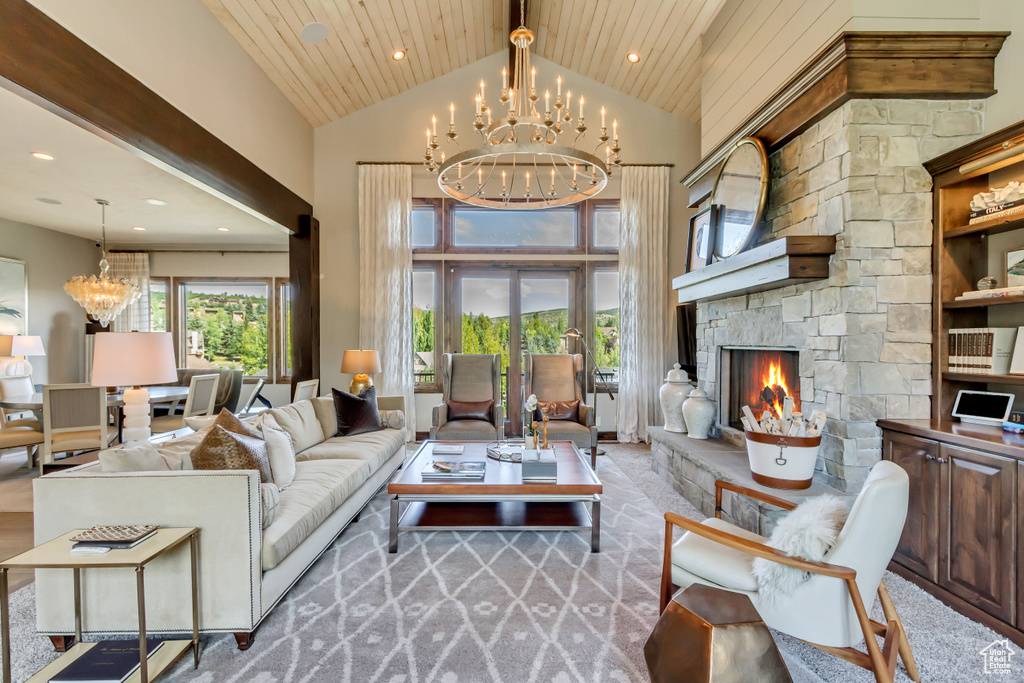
point(202, 397)
point(10, 387)
point(306, 390)
point(75, 418)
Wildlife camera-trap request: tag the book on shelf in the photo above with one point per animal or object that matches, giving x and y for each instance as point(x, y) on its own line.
point(472, 469)
point(1017, 359)
point(115, 533)
point(997, 211)
point(111, 545)
point(108, 661)
point(983, 350)
point(991, 293)
point(447, 449)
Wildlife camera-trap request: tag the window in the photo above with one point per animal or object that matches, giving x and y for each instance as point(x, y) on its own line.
point(606, 323)
point(284, 331)
point(537, 230)
point(426, 225)
point(426, 326)
point(605, 220)
point(226, 325)
point(158, 305)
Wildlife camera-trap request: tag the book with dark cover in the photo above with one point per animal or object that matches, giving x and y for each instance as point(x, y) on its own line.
point(108, 661)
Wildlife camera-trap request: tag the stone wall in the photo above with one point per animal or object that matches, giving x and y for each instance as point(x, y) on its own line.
point(864, 334)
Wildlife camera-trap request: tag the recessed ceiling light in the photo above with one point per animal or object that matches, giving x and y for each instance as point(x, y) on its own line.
point(314, 33)
point(43, 155)
point(139, 228)
point(224, 229)
point(155, 202)
point(47, 200)
point(398, 55)
point(633, 57)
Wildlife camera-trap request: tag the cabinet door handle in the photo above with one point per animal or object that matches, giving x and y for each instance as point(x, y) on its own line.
point(929, 456)
point(941, 461)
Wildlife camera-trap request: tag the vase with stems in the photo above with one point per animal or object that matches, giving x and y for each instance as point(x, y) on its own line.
point(529, 433)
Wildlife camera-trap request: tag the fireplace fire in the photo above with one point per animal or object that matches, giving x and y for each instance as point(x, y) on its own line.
point(761, 379)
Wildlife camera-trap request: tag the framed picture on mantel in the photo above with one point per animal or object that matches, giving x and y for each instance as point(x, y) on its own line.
point(701, 239)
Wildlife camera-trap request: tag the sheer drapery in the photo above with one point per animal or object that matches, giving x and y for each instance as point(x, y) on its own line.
point(134, 265)
point(645, 323)
point(385, 278)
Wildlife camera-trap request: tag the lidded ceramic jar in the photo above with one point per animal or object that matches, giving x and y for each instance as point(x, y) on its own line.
point(699, 413)
point(673, 392)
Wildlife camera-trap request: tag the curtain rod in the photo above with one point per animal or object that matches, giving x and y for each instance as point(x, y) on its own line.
point(420, 163)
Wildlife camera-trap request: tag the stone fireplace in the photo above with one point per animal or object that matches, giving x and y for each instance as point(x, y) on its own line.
point(760, 378)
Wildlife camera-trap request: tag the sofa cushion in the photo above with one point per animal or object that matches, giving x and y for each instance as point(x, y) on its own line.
point(373, 448)
point(224, 450)
point(715, 562)
point(323, 406)
point(270, 499)
point(319, 488)
point(142, 458)
point(281, 453)
point(558, 410)
point(470, 410)
point(299, 420)
point(564, 430)
point(466, 430)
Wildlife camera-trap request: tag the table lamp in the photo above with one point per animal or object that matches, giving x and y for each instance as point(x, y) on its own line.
point(14, 348)
point(134, 359)
point(360, 362)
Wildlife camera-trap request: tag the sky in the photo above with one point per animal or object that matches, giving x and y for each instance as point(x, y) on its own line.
point(229, 288)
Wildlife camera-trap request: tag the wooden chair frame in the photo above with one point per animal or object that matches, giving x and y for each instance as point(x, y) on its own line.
point(880, 661)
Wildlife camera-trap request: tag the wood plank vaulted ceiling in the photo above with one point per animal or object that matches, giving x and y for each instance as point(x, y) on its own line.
point(353, 68)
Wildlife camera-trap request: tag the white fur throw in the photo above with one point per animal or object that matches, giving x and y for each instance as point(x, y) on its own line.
point(807, 532)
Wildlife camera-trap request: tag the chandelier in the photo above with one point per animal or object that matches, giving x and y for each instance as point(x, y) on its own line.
point(526, 159)
point(103, 297)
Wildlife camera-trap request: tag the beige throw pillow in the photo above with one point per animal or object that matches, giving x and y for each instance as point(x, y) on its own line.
point(281, 454)
point(225, 450)
point(300, 421)
point(323, 406)
point(144, 458)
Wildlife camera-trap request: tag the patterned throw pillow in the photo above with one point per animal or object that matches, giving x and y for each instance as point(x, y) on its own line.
point(225, 450)
point(392, 419)
point(230, 422)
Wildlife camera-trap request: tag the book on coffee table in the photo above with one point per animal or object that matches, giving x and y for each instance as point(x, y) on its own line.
point(434, 469)
point(108, 661)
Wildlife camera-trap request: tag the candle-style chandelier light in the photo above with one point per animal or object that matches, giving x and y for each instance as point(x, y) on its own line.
point(527, 159)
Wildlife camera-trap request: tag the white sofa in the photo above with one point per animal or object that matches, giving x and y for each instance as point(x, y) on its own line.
point(244, 569)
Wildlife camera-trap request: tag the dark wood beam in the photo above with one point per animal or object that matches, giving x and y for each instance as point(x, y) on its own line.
point(47, 64)
point(304, 279)
point(864, 65)
point(515, 20)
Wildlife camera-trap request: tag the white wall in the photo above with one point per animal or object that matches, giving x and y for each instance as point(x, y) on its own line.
point(392, 131)
point(225, 264)
point(1006, 107)
point(51, 258)
point(178, 49)
point(753, 47)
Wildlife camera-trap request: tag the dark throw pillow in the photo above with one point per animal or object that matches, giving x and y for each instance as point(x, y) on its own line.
point(558, 410)
point(470, 410)
point(357, 414)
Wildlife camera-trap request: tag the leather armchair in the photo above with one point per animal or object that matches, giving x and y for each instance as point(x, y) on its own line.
point(828, 610)
point(470, 378)
point(559, 377)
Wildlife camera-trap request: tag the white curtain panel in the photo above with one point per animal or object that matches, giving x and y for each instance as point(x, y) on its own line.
point(645, 323)
point(134, 265)
point(385, 278)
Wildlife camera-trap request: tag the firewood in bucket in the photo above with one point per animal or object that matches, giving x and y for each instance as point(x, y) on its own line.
point(751, 423)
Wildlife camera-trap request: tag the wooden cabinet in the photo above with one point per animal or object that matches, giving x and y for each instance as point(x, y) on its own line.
point(977, 553)
point(964, 534)
point(918, 548)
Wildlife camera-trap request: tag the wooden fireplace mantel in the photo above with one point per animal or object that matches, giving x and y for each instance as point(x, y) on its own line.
point(781, 262)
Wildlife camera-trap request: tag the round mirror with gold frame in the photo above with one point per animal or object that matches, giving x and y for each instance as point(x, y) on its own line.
point(741, 189)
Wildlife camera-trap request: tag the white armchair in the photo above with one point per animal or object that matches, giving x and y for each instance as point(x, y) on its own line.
point(828, 610)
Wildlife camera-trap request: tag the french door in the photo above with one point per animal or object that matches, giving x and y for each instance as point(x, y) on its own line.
point(512, 310)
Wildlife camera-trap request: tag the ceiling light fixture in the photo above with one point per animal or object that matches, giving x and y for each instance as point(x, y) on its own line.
point(139, 228)
point(314, 32)
point(155, 202)
point(633, 57)
point(103, 297)
point(224, 229)
point(522, 141)
point(43, 155)
point(398, 55)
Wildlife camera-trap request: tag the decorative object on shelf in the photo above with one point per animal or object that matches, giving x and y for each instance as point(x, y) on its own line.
point(673, 392)
point(741, 189)
point(703, 226)
point(13, 297)
point(361, 363)
point(14, 349)
point(529, 424)
point(988, 282)
point(505, 452)
point(522, 141)
point(1014, 268)
point(699, 414)
point(134, 359)
point(544, 429)
point(982, 407)
point(997, 203)
point(991, 293)
point(103, 297)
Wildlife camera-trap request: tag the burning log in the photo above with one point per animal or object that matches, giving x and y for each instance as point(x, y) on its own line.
point(774, 396)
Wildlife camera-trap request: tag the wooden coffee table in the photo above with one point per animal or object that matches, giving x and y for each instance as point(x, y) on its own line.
point(500, 501)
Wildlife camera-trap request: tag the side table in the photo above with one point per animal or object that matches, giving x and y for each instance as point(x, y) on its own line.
point(56, 554)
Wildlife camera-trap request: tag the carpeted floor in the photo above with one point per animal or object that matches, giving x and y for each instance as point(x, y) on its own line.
point(459, 607)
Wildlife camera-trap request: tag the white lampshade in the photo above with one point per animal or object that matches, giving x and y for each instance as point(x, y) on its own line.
point(356, 361)
point(21, 345)
point(133, 358)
